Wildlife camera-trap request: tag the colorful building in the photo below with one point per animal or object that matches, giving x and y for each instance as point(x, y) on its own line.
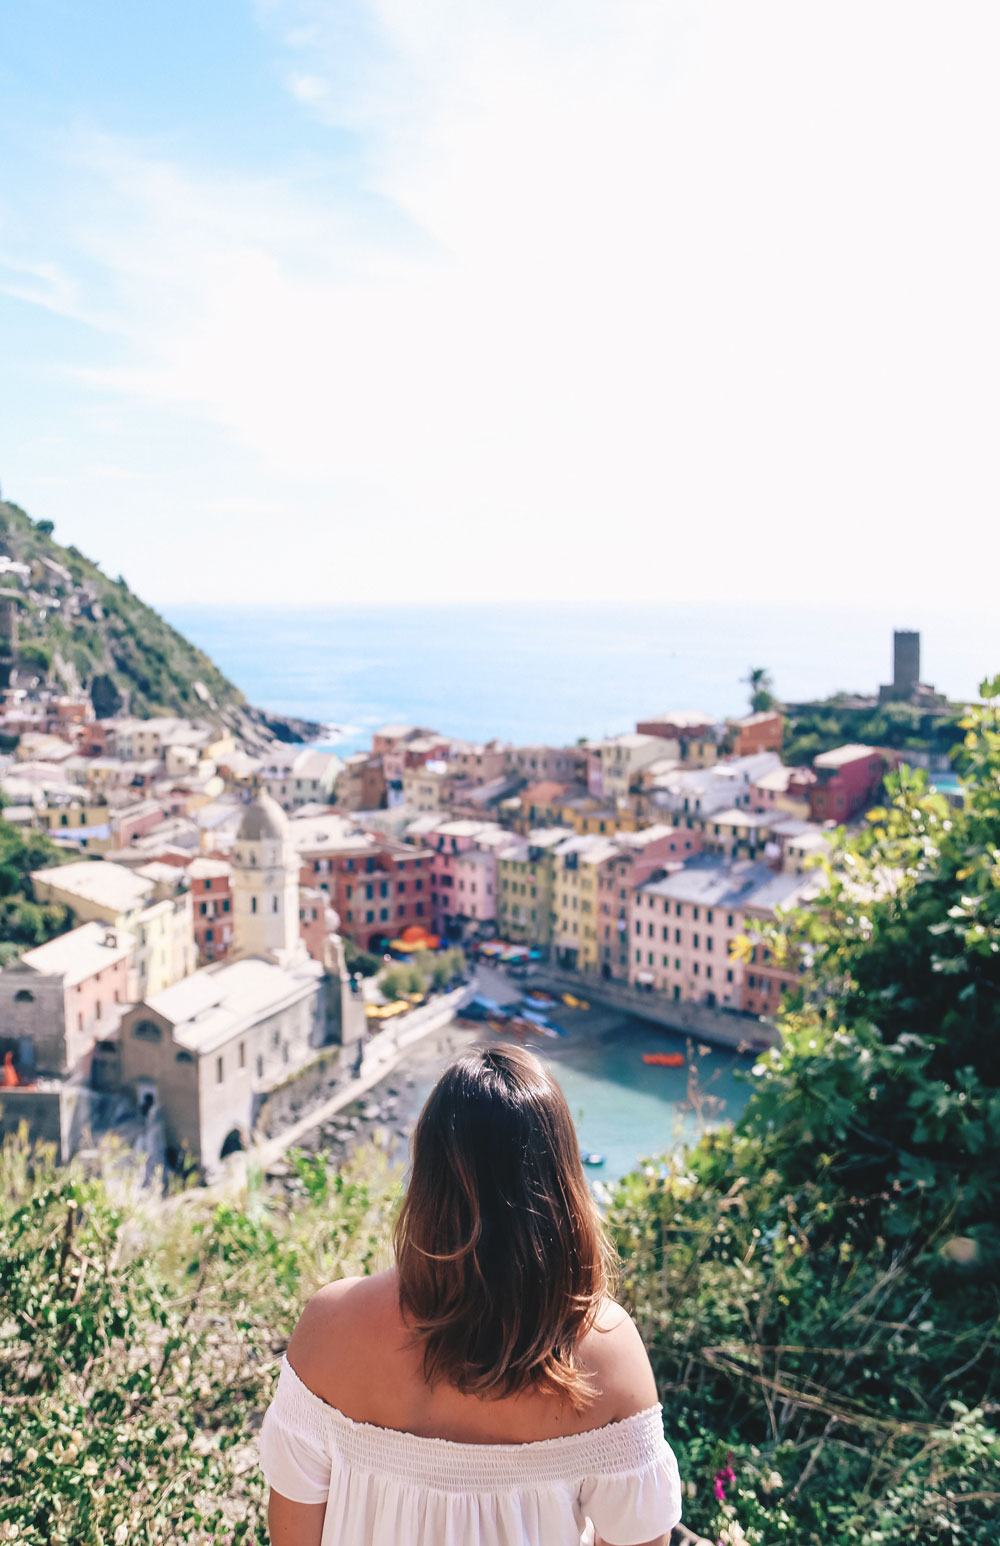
point(377, 885)
point(682, 928)
point(761, 732)
point(614, 765)
point(784, 789)
point(525, 880)
point(636, 858)
point(212, 904)
point(153, 904)
point(847, 780)
point(59, 1000)
point(576, 900)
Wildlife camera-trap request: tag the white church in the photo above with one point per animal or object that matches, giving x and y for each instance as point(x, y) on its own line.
point(209, 1053)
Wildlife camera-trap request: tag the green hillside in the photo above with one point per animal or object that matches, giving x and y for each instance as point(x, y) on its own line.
point(78, 628)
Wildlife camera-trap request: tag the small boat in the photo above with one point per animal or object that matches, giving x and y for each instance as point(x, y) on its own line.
point(592, 1159)
point(664, 1059)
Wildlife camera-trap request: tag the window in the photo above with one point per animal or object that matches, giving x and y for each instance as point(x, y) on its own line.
point(420, 909)
point(97, 1009)
point(260, 1066)
point(729, 975)
point(680, 910)
point(22, 996)
point(695, 968)
point(708, 971)
point(696, 912)
point(253, 904)
point(219, 1071)
point(225, 905)
point(729, 920)
point(275, 1038)
point(708, 941)
point(275, 903)
point(708, 916)
point(184, 1056)
point(696, 940)
point(147, 1030)
point(677, 936)
point(243, 1054)
point(204, 909)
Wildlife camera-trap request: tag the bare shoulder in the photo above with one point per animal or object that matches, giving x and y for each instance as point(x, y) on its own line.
point(341, 1330)
point(613, 1352)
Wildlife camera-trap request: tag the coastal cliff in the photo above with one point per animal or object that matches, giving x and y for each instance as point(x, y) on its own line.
point(67, 624)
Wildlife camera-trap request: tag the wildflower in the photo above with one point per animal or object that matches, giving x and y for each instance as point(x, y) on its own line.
point(724, 1477)
point(31, 1456)
point(121, 1535)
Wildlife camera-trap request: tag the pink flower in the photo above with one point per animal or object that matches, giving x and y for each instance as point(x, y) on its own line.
point(723, 1477)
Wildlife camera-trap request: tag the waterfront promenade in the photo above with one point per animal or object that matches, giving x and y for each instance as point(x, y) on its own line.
point(743, 1033)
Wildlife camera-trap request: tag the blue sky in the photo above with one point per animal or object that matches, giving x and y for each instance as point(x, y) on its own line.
point(310, 301)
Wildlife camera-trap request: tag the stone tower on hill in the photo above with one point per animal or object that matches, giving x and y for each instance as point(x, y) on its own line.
point(266, 885)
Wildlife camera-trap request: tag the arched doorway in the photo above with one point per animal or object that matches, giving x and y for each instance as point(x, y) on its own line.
point(233, 1144)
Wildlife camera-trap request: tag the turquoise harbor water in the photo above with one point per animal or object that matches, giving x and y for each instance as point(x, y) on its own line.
point(623, 1108)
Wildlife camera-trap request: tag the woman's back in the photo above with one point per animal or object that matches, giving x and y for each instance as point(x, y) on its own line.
point(353, 1348)
point(486, 1391)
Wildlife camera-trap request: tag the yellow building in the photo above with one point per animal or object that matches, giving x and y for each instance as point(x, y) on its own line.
point(152, 904)
point(589, 819)
point(525, 873)
point(575, 901)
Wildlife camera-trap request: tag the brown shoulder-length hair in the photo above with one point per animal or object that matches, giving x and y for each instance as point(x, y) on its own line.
point(502, 1258)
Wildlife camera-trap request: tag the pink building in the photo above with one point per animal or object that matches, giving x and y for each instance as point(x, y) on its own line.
point(636, 858)
point(62, 998)
point(464, 875)
point(681, 928)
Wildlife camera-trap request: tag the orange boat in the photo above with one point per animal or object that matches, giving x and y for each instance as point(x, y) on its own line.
point(664, 1059)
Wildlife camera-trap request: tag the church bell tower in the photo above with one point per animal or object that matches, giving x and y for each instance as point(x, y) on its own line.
point(266, 885)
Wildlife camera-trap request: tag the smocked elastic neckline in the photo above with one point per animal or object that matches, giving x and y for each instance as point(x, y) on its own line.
point(627, 1445)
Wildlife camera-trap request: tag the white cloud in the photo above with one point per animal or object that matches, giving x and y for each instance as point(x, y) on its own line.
point(638, 299)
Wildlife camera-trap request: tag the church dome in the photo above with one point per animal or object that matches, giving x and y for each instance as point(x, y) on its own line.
point(263, 821)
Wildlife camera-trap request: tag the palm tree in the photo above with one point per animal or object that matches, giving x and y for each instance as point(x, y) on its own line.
point(761, 685)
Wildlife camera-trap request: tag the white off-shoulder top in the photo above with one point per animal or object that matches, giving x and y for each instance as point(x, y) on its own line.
point(386, 1488)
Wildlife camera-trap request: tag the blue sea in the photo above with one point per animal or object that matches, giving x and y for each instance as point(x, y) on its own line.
point(528, 673)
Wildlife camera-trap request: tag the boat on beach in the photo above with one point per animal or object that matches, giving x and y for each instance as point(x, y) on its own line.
point(664, 1059)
